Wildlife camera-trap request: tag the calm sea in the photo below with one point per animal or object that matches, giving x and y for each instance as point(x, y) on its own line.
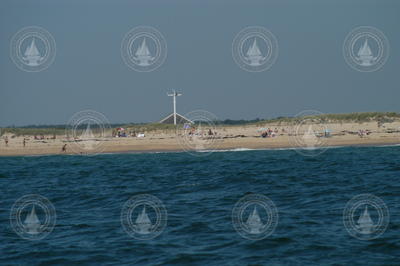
point(199, 194)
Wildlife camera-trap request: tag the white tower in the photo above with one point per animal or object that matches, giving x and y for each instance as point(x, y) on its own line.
point(174, 94)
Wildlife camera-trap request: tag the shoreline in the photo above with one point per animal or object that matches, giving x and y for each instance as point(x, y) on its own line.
point(176, 148)
point(250, 137)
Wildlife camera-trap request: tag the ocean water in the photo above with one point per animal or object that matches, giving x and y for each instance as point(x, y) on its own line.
point(199, 194)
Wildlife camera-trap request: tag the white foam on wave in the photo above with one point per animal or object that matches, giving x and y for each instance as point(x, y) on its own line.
point(228, 150)
point(386, 145)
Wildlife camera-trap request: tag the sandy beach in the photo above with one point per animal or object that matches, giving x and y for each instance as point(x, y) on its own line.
point(227, 137)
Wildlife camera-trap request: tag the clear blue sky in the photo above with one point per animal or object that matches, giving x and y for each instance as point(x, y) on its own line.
point(88, 72)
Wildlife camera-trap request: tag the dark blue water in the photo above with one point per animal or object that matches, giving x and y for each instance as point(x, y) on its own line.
point(199, 194)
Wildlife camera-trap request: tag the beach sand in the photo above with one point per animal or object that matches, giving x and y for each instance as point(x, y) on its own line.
point(228, 137)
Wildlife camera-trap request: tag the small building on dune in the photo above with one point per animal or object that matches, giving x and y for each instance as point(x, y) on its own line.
point(174, 118)
point(180, 119)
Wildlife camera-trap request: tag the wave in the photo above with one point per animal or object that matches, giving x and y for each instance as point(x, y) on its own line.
point(242, 149)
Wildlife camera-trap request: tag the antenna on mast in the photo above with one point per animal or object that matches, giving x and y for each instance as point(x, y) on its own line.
point(174, 94)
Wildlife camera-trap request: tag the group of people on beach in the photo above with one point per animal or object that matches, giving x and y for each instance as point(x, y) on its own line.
point(24, 141)
point(124, 134)
point(269, 133)
point(41, 137)
point(6, 141)
point(362, 133)
point(194, 131)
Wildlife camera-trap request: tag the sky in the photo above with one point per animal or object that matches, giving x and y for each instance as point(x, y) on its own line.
point(89, 73)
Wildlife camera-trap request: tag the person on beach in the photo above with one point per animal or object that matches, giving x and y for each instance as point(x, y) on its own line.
point(24, 142)
point(361, 133)
point(6, 141)
point(264, 134)
point(64, 148)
